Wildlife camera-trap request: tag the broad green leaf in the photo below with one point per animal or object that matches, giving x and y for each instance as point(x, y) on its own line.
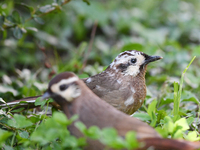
point(93, 132)
point(168, 124)
point(192, 136)
point(81, 126)
point(40, 102)
point(183, 123)
point(23, 134)
point(142, 116)
point(18, 32)
point(162, 131)
point(60, 118)
point(190, 120)
point(19, 121)
point(3, 136)
point(178, 134)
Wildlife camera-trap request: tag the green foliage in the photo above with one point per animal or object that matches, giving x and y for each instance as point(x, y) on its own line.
point(38, 39)
point(3, 136)
point(109, 137)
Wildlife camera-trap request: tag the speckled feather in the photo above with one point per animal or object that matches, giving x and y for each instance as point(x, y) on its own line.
point(113, 86)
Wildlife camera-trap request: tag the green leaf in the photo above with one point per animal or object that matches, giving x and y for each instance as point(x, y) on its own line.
point(60, 118)
point(38, 20)
point(18, 110)
point(3, 136)
point(152, 108)
point(178, 134)
point(39, 102)
point(93, 132)
point(131, 140)
point(23, 134)
point(45, 9)
point(31, 9)
point(182, 123)
point(142, 116)
point(154, 119)
point(16, 16)
point(192, 136)
point(17, 32)
point(190, 120)
point(19, 121)
point(151, 111)
point(168, 124)
point(80, 126)
point(162, 131)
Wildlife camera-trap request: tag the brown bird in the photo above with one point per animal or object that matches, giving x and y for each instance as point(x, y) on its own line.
point(75, 97)
point(122, 84)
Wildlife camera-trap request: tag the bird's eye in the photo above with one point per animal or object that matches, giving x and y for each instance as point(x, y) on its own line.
point(63, 87)
point(133, 60)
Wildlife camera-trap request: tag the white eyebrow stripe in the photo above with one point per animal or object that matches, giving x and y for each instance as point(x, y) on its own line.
point(67, 81)
point(55, 87)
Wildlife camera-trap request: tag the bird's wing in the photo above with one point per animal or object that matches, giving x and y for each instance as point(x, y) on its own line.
point(99, 84)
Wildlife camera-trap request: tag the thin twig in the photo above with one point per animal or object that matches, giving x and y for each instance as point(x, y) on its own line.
point(90, 46)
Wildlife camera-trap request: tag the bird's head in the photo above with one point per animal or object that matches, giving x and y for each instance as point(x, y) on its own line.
point(63, 87)
point(132, 62)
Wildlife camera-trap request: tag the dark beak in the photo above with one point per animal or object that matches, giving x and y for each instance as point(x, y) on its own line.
point(45, 96)
point(151, 59)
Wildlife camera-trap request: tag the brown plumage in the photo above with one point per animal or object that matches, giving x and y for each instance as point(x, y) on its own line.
point(122, 84)
point(75, 97)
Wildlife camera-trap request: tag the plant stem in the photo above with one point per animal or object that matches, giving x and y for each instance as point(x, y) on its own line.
point(177, 93)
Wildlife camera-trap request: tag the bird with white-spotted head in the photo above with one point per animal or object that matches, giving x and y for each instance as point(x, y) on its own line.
point(122, 84)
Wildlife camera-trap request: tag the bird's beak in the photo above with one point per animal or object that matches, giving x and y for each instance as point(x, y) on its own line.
point(151, 59)
point(45, 96)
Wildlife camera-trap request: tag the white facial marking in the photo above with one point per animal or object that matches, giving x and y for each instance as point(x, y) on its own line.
point(140, 101)
point(88, 80)
point(70, 93)
point(130, 99)
point(133, 69)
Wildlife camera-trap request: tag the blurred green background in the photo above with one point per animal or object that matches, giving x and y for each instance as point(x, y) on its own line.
point(41, 38)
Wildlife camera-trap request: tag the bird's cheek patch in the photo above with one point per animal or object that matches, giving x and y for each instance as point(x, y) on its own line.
point(71, 93)
point(132, 70)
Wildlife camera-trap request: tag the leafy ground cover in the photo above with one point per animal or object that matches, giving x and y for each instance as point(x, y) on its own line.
point(38, 40)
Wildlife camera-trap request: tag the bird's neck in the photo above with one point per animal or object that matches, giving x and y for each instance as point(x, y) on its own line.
point(67, 107)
